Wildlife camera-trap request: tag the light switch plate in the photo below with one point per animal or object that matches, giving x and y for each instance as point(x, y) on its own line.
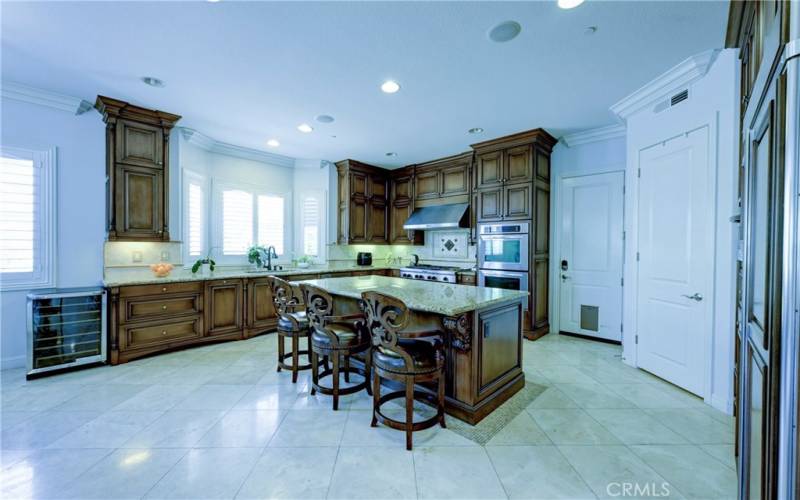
point(165, 256)
point(137, 256)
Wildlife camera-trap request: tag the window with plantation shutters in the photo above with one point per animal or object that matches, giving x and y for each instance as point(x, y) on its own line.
point(195, 210)
point(27, 221)
point(310, 222)
point(237, 221)
point(270, 222)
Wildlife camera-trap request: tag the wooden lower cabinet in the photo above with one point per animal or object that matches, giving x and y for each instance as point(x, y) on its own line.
point(259, 309)
point(148, 319)
point(224, 306)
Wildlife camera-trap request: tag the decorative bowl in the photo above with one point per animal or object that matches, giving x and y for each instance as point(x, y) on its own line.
point(161, 270)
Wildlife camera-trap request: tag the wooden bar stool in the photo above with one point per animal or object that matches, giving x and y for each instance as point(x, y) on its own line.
point(292, 322)
point(403, 356)
point(337, 338)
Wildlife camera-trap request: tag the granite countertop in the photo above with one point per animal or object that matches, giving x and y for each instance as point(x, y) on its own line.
point(438, 298)
point(143, 276)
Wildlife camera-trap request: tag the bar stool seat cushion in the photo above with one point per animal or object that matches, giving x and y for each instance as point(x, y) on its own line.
point(422, 353)
point(348, 338)
point(286, 325)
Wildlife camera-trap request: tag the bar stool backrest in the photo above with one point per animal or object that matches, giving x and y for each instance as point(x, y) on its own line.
point(387, 316)
point(319, 304)
point(284, 296)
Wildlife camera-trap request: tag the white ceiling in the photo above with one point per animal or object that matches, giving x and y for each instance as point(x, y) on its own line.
point(244, 72)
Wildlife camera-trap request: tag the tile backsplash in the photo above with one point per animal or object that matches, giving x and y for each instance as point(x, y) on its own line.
point(446, 247)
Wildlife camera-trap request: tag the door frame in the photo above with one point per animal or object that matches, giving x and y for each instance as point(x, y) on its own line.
point(555, 238)
point(631, 266)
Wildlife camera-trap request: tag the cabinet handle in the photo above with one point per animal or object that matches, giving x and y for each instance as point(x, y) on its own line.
point(163, 332)
point(164, 307)
point(164, 289)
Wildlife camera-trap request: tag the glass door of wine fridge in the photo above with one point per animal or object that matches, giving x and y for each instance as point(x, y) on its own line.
point(66, 328)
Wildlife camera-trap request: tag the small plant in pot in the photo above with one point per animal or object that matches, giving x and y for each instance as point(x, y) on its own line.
point(254, 254)
point(304, 261)
point(204, 265)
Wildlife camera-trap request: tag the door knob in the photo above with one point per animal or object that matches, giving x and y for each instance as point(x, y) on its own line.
point(696, 297)
point(564, 277)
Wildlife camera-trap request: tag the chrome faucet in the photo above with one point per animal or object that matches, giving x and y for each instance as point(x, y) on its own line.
point(268, 255)
point(415, 259)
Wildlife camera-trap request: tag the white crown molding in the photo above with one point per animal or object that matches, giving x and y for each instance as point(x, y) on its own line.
point(684, 73)
point(203, 141)
point(594, 135)
point(33, 95)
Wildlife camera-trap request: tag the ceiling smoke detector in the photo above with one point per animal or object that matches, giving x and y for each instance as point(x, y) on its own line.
point(504, 32)
point(391, 153)
point(324, 118)
point(153, 81)
point(475, 130)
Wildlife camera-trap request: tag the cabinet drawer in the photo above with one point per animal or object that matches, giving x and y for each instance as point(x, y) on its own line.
point(144, 308)
point(160, 333)
point(166, 288)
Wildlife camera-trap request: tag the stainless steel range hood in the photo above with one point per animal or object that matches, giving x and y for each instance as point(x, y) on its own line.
point(439, 217)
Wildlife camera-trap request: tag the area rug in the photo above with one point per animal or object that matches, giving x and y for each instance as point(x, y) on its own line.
point(487, 428)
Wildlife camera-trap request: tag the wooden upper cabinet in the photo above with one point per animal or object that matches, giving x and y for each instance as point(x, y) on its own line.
point(518, 165)
point(401, 188)
point(401, 205)
point(455, 180)
point(427, 184)
point(138, 201)
point(489, 169)
point(137, 170)
point(542, 165)
point(489, 204)
point(517, 201)
point(362, 205)
point(139, 144)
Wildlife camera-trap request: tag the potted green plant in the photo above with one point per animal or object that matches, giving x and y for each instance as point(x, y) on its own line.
point(304, 261)
point(204, 265)
point(254, 254)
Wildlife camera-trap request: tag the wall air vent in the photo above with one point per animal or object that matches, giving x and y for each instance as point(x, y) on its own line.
point(679, 97)
point(672, 101)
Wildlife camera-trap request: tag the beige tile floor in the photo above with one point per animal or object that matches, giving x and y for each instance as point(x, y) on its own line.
point(219, 422)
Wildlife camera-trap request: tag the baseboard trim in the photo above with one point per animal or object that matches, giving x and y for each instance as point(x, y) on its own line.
point(589, 337)
point(15, 362)
point(721, 403)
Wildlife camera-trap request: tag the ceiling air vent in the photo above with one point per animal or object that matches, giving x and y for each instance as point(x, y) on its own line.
point(679, 97)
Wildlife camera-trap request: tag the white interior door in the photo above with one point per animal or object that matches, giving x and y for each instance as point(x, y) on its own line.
point(675, 259)
point(591, 255)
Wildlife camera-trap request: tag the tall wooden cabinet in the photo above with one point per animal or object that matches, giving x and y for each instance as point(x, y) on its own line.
point(766, 329)
point(512, 183)
point(137, 170)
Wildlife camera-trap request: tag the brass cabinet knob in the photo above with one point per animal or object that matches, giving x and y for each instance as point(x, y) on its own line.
point(164, 289)
point(164, 307)
point(163, 332)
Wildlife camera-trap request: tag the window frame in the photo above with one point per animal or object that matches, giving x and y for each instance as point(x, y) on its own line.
point(192, 177)
point(44, 274)
point(216, 233)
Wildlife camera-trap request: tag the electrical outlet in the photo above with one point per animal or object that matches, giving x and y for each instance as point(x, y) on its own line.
point(137, 256)
point(165, 256)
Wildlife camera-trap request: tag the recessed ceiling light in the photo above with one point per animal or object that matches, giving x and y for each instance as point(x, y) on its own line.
point(273, 143)
point(569, 4)
point(305, 128)
point(153, 81)
point(391, 153)
point(504, 32)
point(324, 118)
point(390, 86)
point(476, 130)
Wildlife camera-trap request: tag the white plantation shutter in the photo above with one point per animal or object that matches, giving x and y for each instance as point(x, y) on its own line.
point(270, 222)
point(195, 219)
point(310, 217)
point(26, 219)
point(237, 221)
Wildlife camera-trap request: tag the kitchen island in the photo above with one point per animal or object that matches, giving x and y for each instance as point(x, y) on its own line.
point(481, 329)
